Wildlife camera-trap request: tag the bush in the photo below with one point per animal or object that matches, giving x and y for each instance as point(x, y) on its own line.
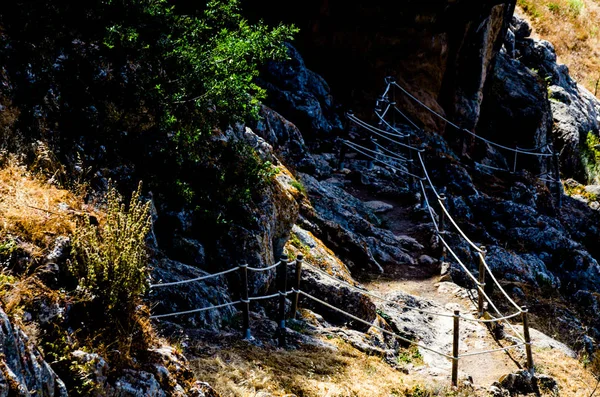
point(110, 259)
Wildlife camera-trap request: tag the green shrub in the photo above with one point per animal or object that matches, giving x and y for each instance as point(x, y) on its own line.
point(590, 157)
point(575, 7)
point(110, 260)
point(299, 186)
point(554, 8)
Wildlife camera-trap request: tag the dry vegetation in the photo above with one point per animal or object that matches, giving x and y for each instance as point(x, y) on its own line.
point(33, 211)
point(573, 26)
point(242, 369)
point(573, 376)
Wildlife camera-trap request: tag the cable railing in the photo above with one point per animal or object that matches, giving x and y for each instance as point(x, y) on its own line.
point(296, 292)
point(391, 135)
point(484, 268)
point(528, 151)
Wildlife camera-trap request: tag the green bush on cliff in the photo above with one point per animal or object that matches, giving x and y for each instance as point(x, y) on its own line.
point(143, 83)
point(590, 157)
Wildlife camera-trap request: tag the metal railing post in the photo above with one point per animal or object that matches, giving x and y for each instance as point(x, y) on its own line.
point(442, 212)
point(515, 163)
point(557, 178)
point(296, 295)
point(282, 281)
point(455, 342)
point(524, 316)
point(245, 302)
point(481, 280)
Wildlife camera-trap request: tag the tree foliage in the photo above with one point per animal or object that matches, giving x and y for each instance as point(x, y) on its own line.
point(112, 72)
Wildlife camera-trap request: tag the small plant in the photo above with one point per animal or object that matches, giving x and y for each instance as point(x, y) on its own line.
point(299, 186)
point(590, 157)
point(411, 355)
point(110, 259)
point(554, 8)
point(575, 7)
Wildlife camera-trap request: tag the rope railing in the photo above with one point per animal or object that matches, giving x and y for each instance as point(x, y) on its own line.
point(493, 350)
point(191, 280)
point(296, 292)
point(385, 331)
point(382, 133)
point(515, 150)
point(381, 161)
point(375, 152)
point(473, 245)
point(264, 269)
point(372, 128)
point(479, 251)
point(397, 131)
point(202, 309)
point(406, 160)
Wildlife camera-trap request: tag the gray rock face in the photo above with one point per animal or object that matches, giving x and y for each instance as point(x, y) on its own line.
point(351, 229)
point(285, 138)
point(190, 296)
point(23, 371)
point(516, 102)
point(137, 384)
point(575, 110)
point(301, 96)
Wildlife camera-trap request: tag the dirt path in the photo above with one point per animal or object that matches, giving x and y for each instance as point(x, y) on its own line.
point(483, 369)
point(423, 281)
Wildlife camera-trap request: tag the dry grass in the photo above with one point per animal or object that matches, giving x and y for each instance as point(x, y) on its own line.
point(573, 377)
point(244, 370)
point(573, 26)
point(33, 210)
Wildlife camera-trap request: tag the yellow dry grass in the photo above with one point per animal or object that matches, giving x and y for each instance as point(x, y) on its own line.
point(573, 26)
point(572, 376)
point(34, 211)
point(245, 370)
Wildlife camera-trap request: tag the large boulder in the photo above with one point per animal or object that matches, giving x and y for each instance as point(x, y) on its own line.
point(575, 110)
point(320, 278)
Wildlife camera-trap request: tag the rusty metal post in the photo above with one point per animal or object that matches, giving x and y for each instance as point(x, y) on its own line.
point(282, 281)
point(481, 280)
point(455, 349)
point(245, 302)
point(524, 316)
point(296, 295)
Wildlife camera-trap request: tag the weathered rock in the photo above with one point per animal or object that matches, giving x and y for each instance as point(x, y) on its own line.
point(516, 101)
point(575, 111)
point(301, 96)
point(379, 206)
point(285, 138)
point(593, 189)
point(520, 27)
point(189, 296)
point(136, 384)
point(23, 371)
point(351, 228)
point(99, 367)
point(326, 288)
